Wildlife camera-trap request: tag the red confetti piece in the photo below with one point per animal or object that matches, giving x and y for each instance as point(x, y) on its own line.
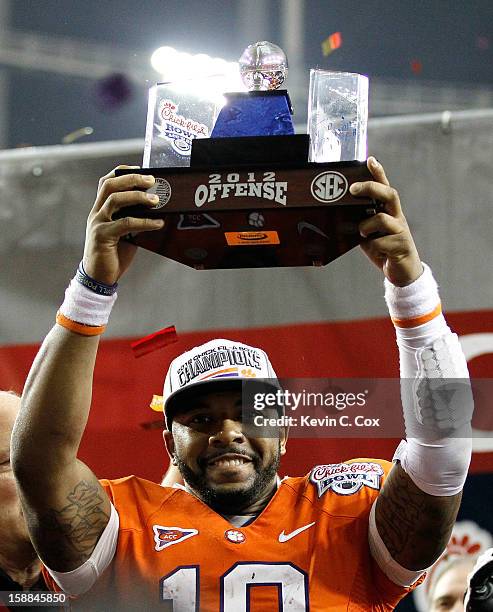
point(416, 66)
point(331, 43)
point(335, 40)
point(154, 341)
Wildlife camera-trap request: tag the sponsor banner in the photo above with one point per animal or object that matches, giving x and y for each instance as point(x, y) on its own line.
point(124, 435)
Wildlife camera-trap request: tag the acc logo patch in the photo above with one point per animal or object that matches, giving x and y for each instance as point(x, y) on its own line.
point(167, 536)
point(346, 478)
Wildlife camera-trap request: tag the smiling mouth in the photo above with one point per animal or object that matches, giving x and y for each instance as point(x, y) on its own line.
point(229, 461)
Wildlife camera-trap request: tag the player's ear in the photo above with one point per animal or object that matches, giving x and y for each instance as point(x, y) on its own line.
point(169, 442)
point(283, 438)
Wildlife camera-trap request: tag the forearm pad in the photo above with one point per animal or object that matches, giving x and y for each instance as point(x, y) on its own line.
point(435, 390)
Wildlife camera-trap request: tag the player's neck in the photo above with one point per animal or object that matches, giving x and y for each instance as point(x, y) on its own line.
point(259, 504)
point(252, 508)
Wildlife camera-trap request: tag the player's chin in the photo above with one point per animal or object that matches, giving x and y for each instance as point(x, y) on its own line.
point(231, 475)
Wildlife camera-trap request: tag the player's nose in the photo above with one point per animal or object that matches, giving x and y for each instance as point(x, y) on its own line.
point(228, 431)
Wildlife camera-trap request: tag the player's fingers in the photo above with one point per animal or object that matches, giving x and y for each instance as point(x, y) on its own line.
point(384, 247)
point(112, 173)
point(377, 171)
point(132, 225)
point(126, 182)
point(382, 224)
point(116, 201)
point(384, 193)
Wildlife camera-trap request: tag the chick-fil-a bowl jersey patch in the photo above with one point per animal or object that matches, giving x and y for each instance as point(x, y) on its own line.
point(346, 478)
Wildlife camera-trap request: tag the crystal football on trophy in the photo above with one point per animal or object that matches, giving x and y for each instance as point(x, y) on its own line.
point(237, 187)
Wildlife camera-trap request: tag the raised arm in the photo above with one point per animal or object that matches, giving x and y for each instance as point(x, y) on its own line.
point(418, 504)
point(65, 506)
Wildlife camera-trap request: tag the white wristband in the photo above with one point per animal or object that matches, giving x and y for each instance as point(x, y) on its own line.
point(85, 306)
point(415, 300)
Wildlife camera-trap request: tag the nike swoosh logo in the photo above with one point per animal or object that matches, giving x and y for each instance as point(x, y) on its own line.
point(305, 225)
point(284, 537)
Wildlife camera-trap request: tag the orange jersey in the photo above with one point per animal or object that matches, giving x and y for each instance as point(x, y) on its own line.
point(307, 551)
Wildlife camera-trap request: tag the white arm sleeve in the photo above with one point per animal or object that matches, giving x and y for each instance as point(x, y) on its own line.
point(82, 578)
point(436, 400)
point(435, 389)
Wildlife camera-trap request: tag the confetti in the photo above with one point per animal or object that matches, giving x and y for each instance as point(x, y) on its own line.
point(330, 44)
point(113, 92)
point(157, 403)
point(154, 341)
point(76, 134)
point(416, 66)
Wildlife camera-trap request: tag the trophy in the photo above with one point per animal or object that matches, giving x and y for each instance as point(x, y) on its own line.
point(237, 187)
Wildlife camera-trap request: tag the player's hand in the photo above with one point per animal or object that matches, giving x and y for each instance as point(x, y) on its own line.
point(106, 257)
point(388, 242)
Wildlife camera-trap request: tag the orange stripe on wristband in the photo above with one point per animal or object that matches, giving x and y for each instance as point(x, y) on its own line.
point(414, 322)
point(79, 328)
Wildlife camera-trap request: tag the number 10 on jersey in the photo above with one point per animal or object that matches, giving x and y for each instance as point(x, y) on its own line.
point(182, 586)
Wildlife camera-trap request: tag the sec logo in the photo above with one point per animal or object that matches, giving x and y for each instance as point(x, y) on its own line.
point(329, 186)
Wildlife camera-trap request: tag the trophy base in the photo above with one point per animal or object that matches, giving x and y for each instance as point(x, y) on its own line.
point(237, 239)
point(255, 214)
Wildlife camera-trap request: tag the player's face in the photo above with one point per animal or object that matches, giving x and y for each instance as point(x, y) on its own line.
point(223, 466)
point(450, 589)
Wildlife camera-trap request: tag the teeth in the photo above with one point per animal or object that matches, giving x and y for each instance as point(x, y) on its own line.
point(228, 462)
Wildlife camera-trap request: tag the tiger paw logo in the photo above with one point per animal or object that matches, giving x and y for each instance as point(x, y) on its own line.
point(167, 536)
point(248, 373)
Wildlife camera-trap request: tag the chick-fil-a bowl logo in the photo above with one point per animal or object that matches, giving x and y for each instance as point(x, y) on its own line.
point(178, 130)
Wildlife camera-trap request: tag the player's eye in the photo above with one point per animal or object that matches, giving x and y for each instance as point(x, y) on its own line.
point(445, 603)
point(201, 419)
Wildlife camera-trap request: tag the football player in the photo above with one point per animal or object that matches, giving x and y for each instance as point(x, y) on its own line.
point(235, 537)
